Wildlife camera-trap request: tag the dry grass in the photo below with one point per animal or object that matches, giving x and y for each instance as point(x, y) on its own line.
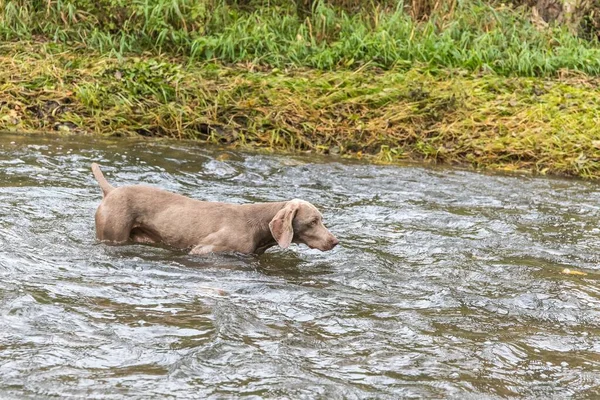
point(519, 123)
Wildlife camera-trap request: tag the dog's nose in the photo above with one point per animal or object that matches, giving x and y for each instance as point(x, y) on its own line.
point(334, 242)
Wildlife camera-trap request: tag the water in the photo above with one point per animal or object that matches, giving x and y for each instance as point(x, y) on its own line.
point(446, 283)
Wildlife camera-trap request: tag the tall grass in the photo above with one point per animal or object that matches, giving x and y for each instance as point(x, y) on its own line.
point(519, 123)
point(475, 37)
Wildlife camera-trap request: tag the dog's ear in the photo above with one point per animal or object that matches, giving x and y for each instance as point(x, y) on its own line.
point(281, 224)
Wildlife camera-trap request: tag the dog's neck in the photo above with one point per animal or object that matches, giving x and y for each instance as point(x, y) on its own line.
point(262, 214)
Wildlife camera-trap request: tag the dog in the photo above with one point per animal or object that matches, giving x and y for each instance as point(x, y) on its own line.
point(144, 214)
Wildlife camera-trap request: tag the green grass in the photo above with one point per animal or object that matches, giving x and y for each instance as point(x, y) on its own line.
point(478, 85)
point(475, 36)
point(521, 123)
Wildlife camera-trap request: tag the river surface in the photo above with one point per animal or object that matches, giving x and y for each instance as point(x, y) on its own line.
point(446, 283)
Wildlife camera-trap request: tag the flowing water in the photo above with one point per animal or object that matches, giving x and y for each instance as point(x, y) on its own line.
point(446, 283)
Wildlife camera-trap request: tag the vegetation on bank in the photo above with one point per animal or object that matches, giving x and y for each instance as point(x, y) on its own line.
point(514, 123)
point(476, 84)
point(474, 35)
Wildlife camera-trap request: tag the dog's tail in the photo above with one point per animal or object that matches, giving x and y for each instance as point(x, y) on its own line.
point(104, 185)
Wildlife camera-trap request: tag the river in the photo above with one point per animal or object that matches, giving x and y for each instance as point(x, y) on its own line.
point(446, 283)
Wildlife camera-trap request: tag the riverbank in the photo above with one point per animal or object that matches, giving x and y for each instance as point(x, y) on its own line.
point(541, 125)
point(474, 84)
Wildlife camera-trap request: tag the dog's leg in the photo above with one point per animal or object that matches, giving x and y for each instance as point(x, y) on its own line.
point(113, 226)
point(214, 243)
point(203, 249)
point(139, 235)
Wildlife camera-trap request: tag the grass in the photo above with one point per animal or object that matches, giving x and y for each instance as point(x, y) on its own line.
point(540, 125)
point(476, 84)
point(471, 35)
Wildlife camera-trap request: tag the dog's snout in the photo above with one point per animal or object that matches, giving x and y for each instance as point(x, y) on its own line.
point(334, 242)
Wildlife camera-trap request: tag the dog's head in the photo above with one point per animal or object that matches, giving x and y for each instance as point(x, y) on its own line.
point(300, 222)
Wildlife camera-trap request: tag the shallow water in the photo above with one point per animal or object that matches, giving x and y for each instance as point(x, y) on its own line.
point(446, 284)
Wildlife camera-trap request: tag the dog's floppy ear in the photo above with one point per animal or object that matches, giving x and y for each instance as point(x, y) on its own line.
point(281, 224)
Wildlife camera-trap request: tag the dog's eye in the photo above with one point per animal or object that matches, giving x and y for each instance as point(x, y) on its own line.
point(313, 222)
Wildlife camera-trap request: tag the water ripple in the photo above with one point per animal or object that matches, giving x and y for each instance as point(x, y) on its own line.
point(447, 283)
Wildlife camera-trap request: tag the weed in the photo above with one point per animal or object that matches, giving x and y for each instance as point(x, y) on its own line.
point(475, 36)
point(536, 124)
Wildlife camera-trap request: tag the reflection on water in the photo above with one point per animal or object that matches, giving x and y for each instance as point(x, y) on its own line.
point(446, 284)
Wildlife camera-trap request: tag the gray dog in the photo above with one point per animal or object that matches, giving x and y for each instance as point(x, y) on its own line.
point(143, 214)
